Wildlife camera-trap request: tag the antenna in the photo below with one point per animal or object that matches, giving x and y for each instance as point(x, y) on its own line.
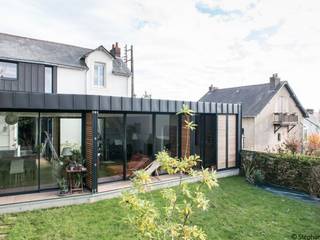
point(126, 60)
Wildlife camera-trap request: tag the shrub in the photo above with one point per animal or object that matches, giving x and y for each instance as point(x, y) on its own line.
point(300, 172)
point(172, 220)
point(313, 143)
point(292, 145)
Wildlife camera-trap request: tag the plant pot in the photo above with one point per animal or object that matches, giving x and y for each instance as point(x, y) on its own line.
point(63, 193)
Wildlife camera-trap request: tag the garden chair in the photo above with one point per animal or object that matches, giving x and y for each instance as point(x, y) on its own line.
point(153, 167)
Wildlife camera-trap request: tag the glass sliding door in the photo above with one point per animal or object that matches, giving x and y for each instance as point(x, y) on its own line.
point(110, 147)
point(210, 142)
point(166, 135)
point(18, 152)
point(206, 139)
point(60, 141)
point(139, 141)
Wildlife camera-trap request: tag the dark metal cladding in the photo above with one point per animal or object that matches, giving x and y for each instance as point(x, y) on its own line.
point(126, 104)
point(92, 102)
point(136, 104)
point(163, 105)
point(105, 103)
point(219, 107)
point(21, 100)
point(65, 102)
point(178, 105)
point(116, 104)
point(224, 108)
point(172, 106)
point(72, 102)
point(37, 100)
point(207, 107)
point(213, 107)
point(146, 105)
point(194, 106)
point(200, 107)
point(79, 102)
point(155, 106)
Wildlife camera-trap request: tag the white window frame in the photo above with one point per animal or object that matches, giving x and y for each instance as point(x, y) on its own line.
point(104, 75)
point(45, 80)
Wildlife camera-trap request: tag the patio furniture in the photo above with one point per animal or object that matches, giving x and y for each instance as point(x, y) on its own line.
point(72, 181)
point(138, 161)
point(17, 170)
point(153, 167)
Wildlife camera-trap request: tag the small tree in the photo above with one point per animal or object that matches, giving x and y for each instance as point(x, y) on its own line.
point(313, 143)
point(292, 145)
point(172, 219)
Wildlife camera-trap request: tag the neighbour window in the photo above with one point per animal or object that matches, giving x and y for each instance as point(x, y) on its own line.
point(8, 70)
point(48, 80)
point(99, 74)
point(279, 137)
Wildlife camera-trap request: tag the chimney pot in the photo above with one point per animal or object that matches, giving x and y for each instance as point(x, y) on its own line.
point(212, 88)
point(274, 81)
point(310, 111)
point(115, 50)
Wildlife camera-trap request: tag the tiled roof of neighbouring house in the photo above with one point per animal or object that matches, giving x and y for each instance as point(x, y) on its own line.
point(253, 97)
point(39, 51)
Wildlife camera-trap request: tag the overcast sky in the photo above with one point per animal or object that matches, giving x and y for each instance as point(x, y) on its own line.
point(183, 46)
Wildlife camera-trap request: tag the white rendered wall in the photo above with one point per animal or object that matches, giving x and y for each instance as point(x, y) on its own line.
point(114, 85)
point(71, 81)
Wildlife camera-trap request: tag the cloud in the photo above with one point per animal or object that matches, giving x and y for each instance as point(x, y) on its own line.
point(261, 35)
point(180, 49)
point(216, 11)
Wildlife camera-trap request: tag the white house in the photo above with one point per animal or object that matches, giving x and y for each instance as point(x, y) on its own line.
point(32, 65)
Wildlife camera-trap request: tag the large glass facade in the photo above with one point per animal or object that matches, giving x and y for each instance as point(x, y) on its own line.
point(31, 145)
point(139, 141)
point(166, 135)
point(110, 147)
point(18, 152)
point(60, 136)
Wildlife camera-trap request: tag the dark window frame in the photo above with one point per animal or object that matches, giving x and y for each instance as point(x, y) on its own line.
point(17, 70)
point(48, 66)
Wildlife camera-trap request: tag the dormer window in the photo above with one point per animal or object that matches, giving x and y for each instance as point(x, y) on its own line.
point(99, 74)
point(8, 70)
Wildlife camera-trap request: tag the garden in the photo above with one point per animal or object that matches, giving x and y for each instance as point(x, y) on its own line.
point(237, 210)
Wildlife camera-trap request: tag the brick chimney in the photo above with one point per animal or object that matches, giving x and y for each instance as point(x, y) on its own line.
point(212, 88)
point(115, 50)
point(274, 81)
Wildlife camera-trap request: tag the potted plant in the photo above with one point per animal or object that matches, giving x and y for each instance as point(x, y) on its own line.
point(63, 186)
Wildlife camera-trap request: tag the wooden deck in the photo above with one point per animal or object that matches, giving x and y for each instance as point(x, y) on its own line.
point(48, 199)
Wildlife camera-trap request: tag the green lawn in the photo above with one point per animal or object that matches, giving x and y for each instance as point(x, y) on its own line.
point(241, 211)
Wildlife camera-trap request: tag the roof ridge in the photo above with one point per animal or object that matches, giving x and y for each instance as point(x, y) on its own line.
point(253, 85)
point(47, 41)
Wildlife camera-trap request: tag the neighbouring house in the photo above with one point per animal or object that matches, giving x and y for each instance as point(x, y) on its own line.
point(62, 102)
point(311, 125)
point(271, 112)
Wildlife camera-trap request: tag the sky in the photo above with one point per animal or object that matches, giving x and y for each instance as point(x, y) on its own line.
point(183, 46)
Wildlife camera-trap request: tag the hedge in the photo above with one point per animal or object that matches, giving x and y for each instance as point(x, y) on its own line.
point(299, 172)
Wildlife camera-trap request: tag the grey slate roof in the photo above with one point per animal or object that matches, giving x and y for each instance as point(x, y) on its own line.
point(39, 51)
point(253, 97)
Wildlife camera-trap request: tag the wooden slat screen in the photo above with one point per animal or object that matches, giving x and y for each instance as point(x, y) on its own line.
point(185, 139)
point(222, 138)
point(89, 150)
point(232, 139)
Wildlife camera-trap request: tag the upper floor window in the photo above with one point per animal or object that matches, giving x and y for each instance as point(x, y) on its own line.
point(99, 74)
point(8, 70)
point(48, 80)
